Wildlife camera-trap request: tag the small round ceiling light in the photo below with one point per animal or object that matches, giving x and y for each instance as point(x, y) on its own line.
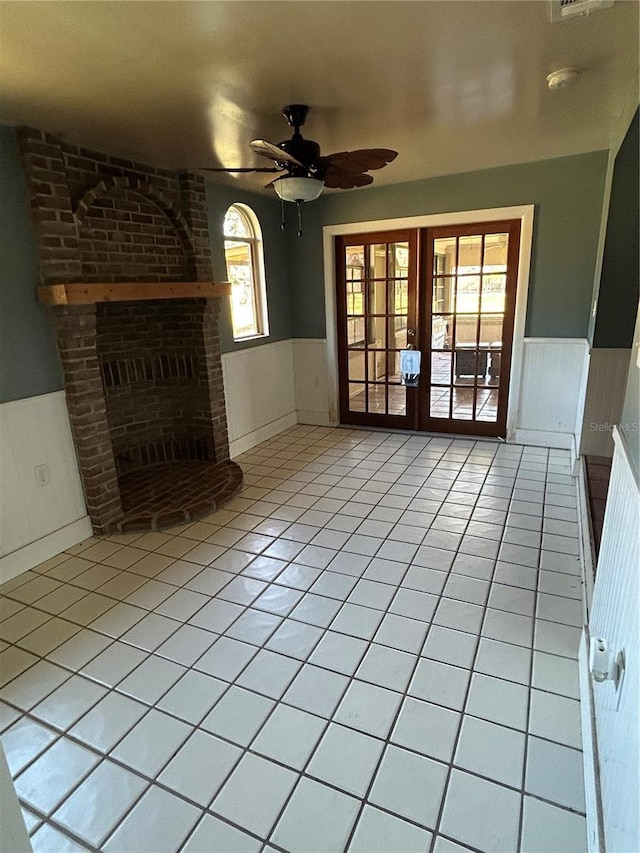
point(562, 78)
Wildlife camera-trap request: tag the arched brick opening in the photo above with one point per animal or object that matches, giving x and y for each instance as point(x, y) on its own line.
point(124, 236)
point(143, 188)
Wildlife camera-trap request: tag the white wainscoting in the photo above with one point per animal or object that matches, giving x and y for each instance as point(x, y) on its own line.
point(606, 386)
point(551, 390)
point(553, 386)
point(615, 617)
point(312, 382)
point(551, 396)
point(259, 392)
point(37, 522)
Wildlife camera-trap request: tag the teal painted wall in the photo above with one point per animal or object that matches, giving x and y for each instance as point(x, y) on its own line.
point(567, 193)
point(618, 293)
point(29, 363)
point(276, 262)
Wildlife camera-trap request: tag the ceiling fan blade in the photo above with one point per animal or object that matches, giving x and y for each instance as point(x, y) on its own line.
point(268, 149)
point(361, 160)
point(241, 169)
point(335, 178)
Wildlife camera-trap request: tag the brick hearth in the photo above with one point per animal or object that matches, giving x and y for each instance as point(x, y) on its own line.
point(143, 378)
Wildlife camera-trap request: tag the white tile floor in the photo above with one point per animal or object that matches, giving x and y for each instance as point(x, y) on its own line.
point(372, 648)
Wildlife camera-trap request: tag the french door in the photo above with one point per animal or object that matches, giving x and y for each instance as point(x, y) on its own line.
point(449, 292)
point(376, 304)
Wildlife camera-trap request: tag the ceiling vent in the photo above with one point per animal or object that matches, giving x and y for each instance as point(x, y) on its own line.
point(561, 9)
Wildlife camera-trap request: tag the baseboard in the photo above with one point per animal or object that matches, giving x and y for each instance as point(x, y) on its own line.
point(314, 418)
point(251, 439)
point(25, 558)
point(544, 438)
point(595, 834)
point(575, 458)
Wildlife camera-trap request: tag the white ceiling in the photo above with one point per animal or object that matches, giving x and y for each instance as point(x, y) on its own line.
point(453, 86)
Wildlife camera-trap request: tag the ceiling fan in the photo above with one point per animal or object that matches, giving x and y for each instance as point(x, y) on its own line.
point(304, 172)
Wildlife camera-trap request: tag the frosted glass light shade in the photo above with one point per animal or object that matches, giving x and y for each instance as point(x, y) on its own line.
point(298, 189)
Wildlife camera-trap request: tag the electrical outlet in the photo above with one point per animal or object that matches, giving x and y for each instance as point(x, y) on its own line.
point(43, 475)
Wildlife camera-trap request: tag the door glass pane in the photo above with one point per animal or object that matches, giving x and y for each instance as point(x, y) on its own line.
point(357, 397)
point(496, 247)
point(398, 332)
point(444, 255)
point(377, 399)
point(400, 304)
point(466, 330)
point(377, 267)
point(463, 404)
point(469, 254)
point(376, 297)
point(441, 367)
point(354, 262)
point(441, 331)
point(494, 287)
point(398, 258)
point(487, 405)
point(355, 297)
point(443, 290)
point(377, 366)
point(393, 367)
point(491, 329)
point(397, 400)
point(356, 365)
point(376, 332)
point(468, 293)
point(470, 363)
point(440, 399)
point(495, 365)
point(355, 332)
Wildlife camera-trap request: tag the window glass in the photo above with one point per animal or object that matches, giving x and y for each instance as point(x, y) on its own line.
point(245, 270)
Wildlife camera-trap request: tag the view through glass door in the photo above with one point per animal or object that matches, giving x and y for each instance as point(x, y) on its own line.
point(376, 302)
point(468, 316)
point(449, 291)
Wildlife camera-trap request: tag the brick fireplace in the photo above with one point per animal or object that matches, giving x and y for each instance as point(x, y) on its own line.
point(125, 264)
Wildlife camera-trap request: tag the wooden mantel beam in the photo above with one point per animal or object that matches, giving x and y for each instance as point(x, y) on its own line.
point(89, 294)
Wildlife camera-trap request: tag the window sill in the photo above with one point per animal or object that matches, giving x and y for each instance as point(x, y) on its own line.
point(250, 338)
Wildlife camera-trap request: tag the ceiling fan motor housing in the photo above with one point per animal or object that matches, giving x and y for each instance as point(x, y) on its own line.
point(295, 114)
point(304, 150)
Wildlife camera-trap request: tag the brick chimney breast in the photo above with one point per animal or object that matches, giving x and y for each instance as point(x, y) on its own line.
point(143, 377)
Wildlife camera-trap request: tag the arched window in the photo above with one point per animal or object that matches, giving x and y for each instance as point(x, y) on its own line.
point(245, 270)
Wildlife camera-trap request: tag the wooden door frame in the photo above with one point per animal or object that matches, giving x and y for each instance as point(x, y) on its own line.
point(525, 213)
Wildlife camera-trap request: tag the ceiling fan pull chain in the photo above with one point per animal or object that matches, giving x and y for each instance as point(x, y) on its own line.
point(299, 206)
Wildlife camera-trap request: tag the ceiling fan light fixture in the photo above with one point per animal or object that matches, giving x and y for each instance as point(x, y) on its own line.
point(298, 189)
point(562, 78)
